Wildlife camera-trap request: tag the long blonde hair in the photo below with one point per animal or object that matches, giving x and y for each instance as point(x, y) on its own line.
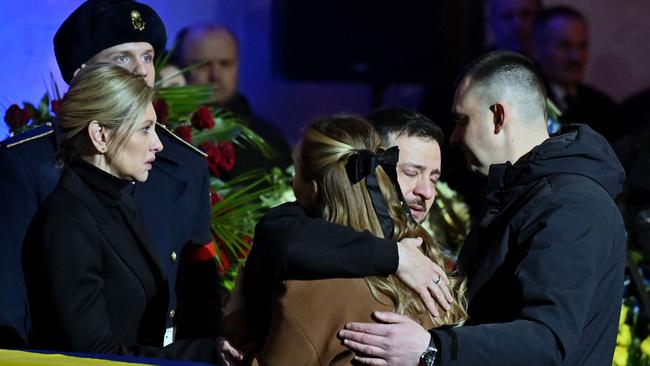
point(105, 93)
point(326, 146)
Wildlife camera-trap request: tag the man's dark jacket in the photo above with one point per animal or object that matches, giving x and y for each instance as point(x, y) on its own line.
point(175, 207)
point(546, 263)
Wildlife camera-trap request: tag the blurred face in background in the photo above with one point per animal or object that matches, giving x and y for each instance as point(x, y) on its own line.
point(217, 50)
point(171, 76)
point(562, 51)
point(511, 22)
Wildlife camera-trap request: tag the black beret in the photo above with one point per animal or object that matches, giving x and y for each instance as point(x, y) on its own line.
point(100, 24)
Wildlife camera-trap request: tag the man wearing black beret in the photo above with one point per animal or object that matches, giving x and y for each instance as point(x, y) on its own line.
point(174, 201)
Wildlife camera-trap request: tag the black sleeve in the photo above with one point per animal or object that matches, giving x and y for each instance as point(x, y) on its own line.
point(198, 287)
point(305, 248)
point(288, 244)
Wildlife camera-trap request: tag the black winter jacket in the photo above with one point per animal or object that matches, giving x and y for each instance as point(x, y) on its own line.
point(546, 262)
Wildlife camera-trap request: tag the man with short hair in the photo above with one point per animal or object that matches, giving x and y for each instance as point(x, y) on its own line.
point(545, 264)
point(418, 169)
point(212, 53)
point(561, 48)
point(215, 48)
point(174, 201)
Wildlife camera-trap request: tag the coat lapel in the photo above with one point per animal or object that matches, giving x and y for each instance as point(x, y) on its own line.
point(114, 232)
point(135, 222)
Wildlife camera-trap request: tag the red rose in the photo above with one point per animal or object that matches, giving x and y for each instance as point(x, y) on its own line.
point(16, 117)
point(214, 197)
point(227, 156)
point(56, 106)
point(184, 132)
point(214, 157)
point(160, 106)
point(203, 118)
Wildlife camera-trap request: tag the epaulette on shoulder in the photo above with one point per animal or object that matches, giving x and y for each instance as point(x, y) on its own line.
point(35, 133)
point(185, 143)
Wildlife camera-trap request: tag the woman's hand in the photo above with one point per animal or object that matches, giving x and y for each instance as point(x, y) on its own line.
point(423, 276)
point(231, 356)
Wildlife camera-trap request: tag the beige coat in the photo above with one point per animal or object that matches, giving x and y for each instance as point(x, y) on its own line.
point(308, 315)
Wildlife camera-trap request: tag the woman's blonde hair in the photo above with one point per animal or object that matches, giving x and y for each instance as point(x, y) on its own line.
point(326, 146)
point(105, 93)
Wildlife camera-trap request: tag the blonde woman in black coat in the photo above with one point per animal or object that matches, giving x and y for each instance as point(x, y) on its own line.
point(94, 282)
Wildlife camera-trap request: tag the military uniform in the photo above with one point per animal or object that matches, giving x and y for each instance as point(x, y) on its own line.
point(174, 201)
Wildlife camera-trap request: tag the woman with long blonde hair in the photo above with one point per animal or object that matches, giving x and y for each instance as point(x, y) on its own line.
point(343, 175)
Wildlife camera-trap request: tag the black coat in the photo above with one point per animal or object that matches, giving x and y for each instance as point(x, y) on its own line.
point(94, 281)
point(175, 207)
point(545, 264)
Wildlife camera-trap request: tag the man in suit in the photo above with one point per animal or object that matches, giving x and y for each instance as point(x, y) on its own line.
point(174, 201)
point(561, 48)
point(216, 51)
point(545, 264)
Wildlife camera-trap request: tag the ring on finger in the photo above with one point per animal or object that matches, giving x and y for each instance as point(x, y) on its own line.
point(437, 281)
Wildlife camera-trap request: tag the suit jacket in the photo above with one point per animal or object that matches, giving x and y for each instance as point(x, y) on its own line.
point(94, 281)
point(305, 318)
point(175, 208)
point(592, 107)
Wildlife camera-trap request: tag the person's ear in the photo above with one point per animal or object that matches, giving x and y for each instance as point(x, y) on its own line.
point(498, 117)
point(98, 135)
point(314, 191)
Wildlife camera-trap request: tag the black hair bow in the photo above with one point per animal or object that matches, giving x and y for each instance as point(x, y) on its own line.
point(362, 165)
point(364, 162)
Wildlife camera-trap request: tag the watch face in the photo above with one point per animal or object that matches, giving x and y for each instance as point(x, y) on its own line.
point(428, 358)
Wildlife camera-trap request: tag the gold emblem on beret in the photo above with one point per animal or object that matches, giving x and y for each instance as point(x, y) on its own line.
point(136, 20)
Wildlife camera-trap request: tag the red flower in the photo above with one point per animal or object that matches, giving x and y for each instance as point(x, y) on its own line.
point(56, 106)
point(214, 157)
point(203, 118)
point(223, 260)
point(214, 197)
point(227, 161)
point(184, 132)
point(16, 117)
point(160, 106)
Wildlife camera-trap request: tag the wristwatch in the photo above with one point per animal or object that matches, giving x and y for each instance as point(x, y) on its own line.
point(428, 357)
